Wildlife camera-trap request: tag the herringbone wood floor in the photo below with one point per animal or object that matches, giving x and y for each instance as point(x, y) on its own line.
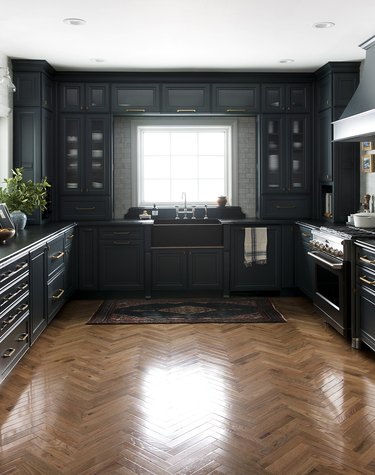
point(234, 399)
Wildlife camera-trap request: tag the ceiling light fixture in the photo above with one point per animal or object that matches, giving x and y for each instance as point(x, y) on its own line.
point(97, 60)
point(5, 78)
point(286, 60)
point(74, 21)
point(324, 24)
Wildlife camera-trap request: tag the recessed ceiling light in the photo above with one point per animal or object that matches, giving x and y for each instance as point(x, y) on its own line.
point(97, 60)
point(286, 60)
point(324, 24)
point(74, 21)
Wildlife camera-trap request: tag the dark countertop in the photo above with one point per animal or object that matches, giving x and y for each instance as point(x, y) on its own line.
point(368, 243)
point(30, 237)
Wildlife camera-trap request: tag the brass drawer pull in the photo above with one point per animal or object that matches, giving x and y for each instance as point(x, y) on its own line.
point(367, 260)
point(57, 256)
point(121, 232)
point(369, 282)
point(135, 110)
point(22, 287)
point(11, 319)
point(23, 265)
point(121, 243)
point(58, 295)
point(236, 110)
point(23, 337)
point(306, 235)
point(23, 307)
point(91, 208)
point(71, 236)
point(186, 110)
point(9, 352)
point(285, 206)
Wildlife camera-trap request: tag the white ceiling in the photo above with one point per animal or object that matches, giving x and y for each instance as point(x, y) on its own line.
point(186, 35)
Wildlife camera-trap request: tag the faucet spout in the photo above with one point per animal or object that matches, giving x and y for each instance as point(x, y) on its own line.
point(184, 198)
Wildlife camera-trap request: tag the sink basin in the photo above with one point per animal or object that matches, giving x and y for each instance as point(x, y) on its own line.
point(187, 233)
point(186, 222)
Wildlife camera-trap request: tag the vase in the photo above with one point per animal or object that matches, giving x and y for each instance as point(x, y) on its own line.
point(19, 219)
point(222, 201)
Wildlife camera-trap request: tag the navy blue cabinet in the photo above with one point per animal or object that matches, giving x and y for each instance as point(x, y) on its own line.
point(304, 266)
point(84, 97)
point(236, 99)
point(290, 98)
point(186, 98)
point(132, 99)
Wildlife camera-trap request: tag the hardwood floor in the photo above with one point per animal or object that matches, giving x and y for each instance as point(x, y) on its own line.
point(238, 399)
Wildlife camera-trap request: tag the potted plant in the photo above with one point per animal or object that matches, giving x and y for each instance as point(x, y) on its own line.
point(23, 197)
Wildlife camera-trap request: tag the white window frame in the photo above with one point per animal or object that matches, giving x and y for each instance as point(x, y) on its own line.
point(230, 127)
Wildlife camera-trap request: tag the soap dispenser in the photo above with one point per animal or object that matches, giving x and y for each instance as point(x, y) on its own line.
point(154, 212)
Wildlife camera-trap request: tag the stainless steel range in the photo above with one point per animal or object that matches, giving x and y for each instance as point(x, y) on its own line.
point(333, 253)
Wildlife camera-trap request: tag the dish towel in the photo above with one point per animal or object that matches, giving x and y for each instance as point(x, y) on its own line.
point(255, 246)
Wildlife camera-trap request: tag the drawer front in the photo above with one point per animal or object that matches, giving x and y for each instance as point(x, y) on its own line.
point(56, 295)
point(14, 314)
point(79, 210)
point(13, 346)
point(55, 258)
point(121, 234)
point(13, 270)
point(366, 279)
point(11, 294)
point(69, 236)
point(366, 258)
point(293, 208)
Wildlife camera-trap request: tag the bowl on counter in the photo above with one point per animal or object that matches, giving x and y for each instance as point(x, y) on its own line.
point(364, 220)
point(6, 233)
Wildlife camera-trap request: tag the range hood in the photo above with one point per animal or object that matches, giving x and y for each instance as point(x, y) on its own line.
point(357, 123)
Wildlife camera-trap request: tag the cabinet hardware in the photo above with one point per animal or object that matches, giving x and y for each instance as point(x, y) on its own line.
point(316, 256)
point(186, 110)
point(57, 256)
point(285, 206)
point(11, 319)
point(236, 110)
point(91, 208)
point(22, 287)
point(121, 243)
point(59, 294)
point(23, 307)
point(23, 337)
point(366, 281)
point(306, 235)
point(71, 236)
point(367, 260)
point(135, 110)
point(121, 232)
point(9, 352)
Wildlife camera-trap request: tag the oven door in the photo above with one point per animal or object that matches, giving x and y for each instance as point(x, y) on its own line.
point(332, 290)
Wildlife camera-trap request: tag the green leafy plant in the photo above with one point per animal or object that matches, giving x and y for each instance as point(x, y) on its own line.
point(22, 195)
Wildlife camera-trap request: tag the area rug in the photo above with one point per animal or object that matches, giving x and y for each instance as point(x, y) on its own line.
point(238, 310)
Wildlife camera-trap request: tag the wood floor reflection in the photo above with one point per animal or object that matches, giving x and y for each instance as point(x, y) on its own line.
point(238, 399)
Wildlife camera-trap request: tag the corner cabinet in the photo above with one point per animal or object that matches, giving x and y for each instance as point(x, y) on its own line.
point(285, 166)
point(85, 163)
point(258, 276)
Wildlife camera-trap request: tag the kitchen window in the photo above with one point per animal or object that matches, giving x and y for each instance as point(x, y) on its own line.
point(183, 157)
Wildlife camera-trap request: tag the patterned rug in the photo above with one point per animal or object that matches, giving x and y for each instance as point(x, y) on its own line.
point(232, 310)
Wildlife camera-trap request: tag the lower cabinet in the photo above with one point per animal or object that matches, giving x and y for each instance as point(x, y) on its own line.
point(38, 310)
point(364, 330)
point(304, 266)
point(121, 258)
point(187, 269)
point(258, 276)
point(88, 258)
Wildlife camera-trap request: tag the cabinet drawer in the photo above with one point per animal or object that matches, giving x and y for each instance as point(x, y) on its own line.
point(9, 295)
point(56, 295)
point(14, 314)
point(293, 208)
point(55, 258)
point(366, 258)
point(366, 279)
point(14, 346)
point(80, 210)
point(121, 234)
point(13, 270)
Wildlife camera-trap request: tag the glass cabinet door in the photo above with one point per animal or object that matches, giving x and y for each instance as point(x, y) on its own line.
point(97, 137)
point(72, 154)
point(272, 167)
point(298, 153)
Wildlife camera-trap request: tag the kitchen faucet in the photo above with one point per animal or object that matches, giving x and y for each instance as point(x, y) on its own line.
point(185, 211)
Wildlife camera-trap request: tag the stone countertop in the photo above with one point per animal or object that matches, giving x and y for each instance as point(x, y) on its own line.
point(30, 237)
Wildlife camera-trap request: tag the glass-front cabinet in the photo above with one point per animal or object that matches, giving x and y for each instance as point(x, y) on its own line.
point(285, 154)
point(85, 154)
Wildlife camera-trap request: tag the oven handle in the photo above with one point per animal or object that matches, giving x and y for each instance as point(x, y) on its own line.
point(316, 256)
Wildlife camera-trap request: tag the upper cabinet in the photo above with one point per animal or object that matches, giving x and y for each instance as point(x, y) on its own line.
point(236, 98)
point(81, 97)
point(186, 98)
point(294, 98)
point(33, 89)
point(135, 98)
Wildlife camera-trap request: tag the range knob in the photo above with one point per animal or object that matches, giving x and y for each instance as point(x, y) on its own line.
point(336, 252)
point(340, 254)
point(321, 246)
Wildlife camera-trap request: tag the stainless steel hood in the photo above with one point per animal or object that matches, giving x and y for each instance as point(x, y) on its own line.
point(357, 123)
